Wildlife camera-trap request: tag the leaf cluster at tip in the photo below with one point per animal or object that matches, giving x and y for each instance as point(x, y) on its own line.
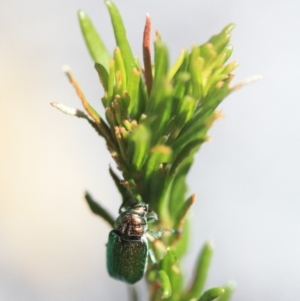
point(154, 134)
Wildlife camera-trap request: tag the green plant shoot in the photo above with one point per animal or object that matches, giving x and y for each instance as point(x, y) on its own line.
point(157, 116)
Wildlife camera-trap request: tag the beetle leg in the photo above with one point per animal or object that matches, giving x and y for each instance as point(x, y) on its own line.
point(152, 256)
point(151, 217)
point(175, 231)
point(156, 234)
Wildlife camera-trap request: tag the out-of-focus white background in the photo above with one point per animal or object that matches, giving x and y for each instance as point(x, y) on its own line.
point(246, 179)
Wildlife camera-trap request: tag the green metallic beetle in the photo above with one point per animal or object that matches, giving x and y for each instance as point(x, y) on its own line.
point(127, 247)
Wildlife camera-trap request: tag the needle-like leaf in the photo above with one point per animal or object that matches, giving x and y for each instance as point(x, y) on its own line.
point(99, 210)
point(93, 41)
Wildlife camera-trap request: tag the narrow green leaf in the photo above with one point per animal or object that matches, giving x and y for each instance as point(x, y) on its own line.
point(180, 88)
point(110, 117)
point(168, 260)
point(217, 64)
point(104, 100)
point(188, 150)
point(127, 125)
point(93, 41)
point(213, 81)
point(160, 106)
point(201, 271)
point(161, 89)
point(121, 102)
point(212, 294)
point(165, 285)
point(214, 97)
point(221, 40)
point(227, 52)
point(229, 289)
point(183, 67)
point(229, 28)
point(122, 189)
point(169, 264)
point(119, 66)
point(192, 131)
point(111, 81)
point(185, 111)
point(121, 39)
point(181, 216)
point(206, 50)
point(177, 190)
point(155, 175)
point(173, 70)
point(209, 62)
point(140, 109)
point(126, 100)
point(99, 210)
point(103, 75)
point(161, 63)
point(229, 67)
point(217, 67)
point(139, 145)
point(117, 110)
point(157, 100)
point(196, 65)
point(160, 154)
point(133, 91)
point(121, 142)
point(183, 243)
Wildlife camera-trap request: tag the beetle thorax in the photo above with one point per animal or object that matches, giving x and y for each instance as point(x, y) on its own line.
point(133, 225)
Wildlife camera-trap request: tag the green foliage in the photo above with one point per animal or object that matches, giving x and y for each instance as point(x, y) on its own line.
point(156, 120)
point(99, 210)
point(212, 294)
point(201, 271)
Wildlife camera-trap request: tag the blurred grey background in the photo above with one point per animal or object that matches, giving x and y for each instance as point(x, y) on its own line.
point(246, 179)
